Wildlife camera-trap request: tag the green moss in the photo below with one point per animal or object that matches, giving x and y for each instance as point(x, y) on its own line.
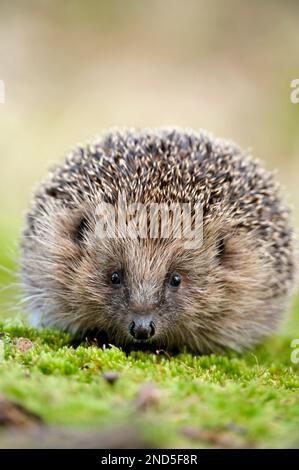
point(253, 397)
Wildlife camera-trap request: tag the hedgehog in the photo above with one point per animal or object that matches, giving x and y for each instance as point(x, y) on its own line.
point(226, 291)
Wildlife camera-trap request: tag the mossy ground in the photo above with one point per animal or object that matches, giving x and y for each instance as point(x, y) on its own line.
point(233, 400)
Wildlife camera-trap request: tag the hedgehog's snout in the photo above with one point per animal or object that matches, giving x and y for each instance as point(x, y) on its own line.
point(142, 328)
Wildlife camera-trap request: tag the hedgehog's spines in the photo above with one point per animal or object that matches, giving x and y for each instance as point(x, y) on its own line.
point(170, 165)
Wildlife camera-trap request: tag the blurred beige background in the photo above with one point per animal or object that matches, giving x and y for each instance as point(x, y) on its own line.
point(74, 69)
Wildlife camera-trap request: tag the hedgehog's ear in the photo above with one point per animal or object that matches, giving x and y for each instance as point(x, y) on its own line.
point(74, 223)
point(81, 230)
point(234, 250)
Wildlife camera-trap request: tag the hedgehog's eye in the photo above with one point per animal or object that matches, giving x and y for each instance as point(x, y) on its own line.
point(81, 230)
point(175, 280)
point(116, 279)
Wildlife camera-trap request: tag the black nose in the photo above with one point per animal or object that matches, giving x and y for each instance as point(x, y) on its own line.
point(142, 329)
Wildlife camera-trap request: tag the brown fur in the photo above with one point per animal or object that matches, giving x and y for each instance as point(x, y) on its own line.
point(228, 298)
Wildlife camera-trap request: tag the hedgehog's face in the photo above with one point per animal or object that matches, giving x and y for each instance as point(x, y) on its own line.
point(133, 290)
point(152, 292)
